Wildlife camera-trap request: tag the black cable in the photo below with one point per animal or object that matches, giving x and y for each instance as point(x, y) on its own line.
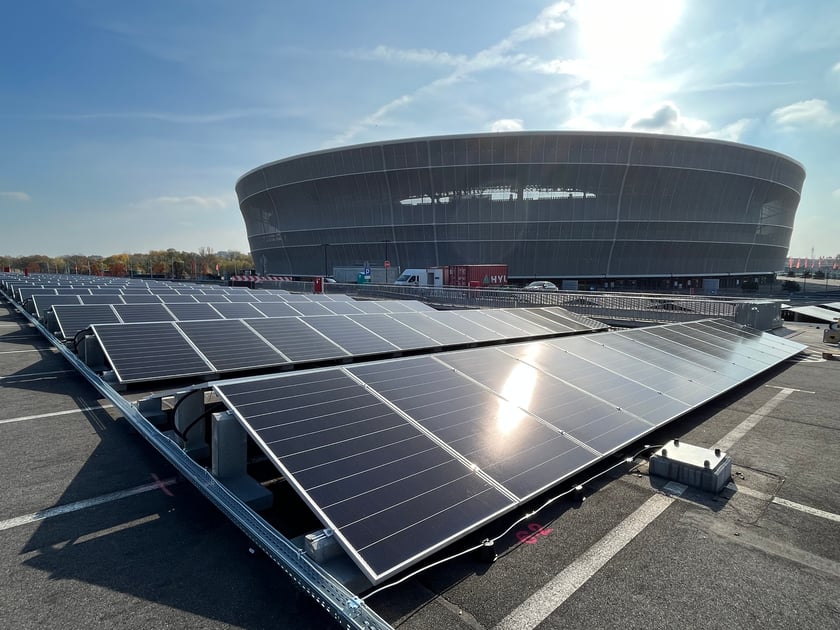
point(527, 516)
point(215, 408)
point(75, 340)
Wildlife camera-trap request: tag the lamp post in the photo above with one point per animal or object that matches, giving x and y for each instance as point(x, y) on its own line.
point(385, 263)
point(326, 245)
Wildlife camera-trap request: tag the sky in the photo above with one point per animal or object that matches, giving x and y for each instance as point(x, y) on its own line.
point(125, 125)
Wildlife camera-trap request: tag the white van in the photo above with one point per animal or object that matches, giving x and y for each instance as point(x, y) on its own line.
point(432, 277)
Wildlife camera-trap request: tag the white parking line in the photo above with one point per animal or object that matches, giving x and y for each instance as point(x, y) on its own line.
point(534, 610)
point(31, 374)
point(56, 413)
point(50, 349)
point(738, 432)
point(81, 505)
point(793, 505)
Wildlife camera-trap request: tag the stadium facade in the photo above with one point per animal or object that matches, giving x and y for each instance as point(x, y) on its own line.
point(551, 205)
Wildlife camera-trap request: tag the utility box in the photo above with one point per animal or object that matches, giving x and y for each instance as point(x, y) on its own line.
point(695, 466)
point(831, 336)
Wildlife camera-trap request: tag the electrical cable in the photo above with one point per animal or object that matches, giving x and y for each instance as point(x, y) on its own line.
point(527, 516)
point(76, 338)
point(213, 409)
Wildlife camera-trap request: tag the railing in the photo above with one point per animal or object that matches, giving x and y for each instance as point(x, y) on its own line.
point(646, 308)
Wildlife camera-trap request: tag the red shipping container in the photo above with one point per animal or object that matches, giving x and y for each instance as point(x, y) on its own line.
point(493, 275)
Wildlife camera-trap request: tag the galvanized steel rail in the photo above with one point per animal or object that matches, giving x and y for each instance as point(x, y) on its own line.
point(341, 603)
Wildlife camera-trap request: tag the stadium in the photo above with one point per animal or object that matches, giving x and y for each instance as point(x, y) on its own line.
point(607, 207)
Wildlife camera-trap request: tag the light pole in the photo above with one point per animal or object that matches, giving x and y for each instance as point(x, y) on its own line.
point(325, 258)
point(386, 263)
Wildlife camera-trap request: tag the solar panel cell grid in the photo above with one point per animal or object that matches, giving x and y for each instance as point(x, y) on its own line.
point(149, 352)
point(390, 493)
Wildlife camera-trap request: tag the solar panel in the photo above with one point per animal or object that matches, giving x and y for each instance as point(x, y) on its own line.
point(527, 415)
point(137, 313)
point(350, 335)
point(72, 318)
point(502, 328)
point(231, 344)
point(43, 303)
point(99, 298)
point(370, 307)
point(296, 340)
point(398, 334)
point(192, 312)
point(276, 309)
point(513, 447)
point(460, 320)
point(549, 320)
point(152, 351)
point(342, 308)
point(311, 308)
point(177, 298)
point(433, 328)
point(237, 310)
point(389, 492)
point(623, 393)
point(140, 298)
point(598, 424)
point(211, 298)
point(512, 317)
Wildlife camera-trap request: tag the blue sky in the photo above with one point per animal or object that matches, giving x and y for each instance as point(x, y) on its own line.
point(124, 125)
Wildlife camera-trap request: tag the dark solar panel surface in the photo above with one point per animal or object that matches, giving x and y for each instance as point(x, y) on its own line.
point(231, 345)
point(138, 313)
point(388, 491)
point(73, 318)
point(511, 446)
point(398, 334)
point(140, 298)
point(312, 308)
point(580, 414)
point(350, 335)
point(192, 312)
point(458, 321)
point(44, 302)
point(432, 328)
point(235, 311)
point(99, 298)
point(276, 309)
point(142, 352)
point(296, 340)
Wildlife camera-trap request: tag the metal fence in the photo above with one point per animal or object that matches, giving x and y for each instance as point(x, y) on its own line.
point(621, 308)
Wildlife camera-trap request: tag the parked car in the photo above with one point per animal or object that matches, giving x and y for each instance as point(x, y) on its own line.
point(541, 285)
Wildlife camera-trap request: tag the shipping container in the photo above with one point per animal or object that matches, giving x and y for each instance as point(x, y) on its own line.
point(494, 275)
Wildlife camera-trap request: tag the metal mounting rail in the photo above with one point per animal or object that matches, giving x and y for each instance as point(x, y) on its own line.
point(351, 611)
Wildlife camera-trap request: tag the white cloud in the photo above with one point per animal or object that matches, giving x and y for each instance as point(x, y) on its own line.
point(417, 56)
point(836, 67)
point(836, 193)
point(814, 111)
point(507, 124)
point(548, 21)
point(666, 118)
point(15, 195)
point(186, 201)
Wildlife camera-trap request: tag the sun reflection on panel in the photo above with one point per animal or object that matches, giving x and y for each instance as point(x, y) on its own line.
point(517, 391)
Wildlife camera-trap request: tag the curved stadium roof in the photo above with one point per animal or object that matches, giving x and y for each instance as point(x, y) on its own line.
point(549, 204)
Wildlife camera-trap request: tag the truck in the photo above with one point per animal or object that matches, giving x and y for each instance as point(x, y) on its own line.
point(490, 275)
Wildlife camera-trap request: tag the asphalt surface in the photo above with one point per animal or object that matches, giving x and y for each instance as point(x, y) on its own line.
point(764, 553)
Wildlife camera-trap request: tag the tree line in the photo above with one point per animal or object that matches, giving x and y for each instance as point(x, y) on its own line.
point(169, 263)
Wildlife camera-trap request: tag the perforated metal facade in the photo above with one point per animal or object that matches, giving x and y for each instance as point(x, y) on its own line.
point(549, 204)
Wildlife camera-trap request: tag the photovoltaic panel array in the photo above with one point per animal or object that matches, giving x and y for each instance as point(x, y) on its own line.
point(320, 338)
point(71, 316)
point(395, 447)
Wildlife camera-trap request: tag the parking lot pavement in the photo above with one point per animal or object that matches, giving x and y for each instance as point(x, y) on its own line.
point(96, 531)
